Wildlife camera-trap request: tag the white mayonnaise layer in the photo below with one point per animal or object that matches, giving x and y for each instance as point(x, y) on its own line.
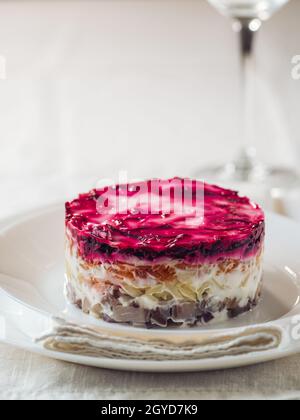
point(91, 283)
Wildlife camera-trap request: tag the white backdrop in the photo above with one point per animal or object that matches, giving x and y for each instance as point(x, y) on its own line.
point(150, 86)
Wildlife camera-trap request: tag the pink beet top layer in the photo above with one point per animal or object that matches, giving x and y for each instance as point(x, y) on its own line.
point(231, 226)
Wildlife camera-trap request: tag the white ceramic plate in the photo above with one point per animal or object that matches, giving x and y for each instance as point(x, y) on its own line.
point(32, 279)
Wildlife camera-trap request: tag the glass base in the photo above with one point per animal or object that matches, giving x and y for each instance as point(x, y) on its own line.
point(271, 177)
point(247, 170)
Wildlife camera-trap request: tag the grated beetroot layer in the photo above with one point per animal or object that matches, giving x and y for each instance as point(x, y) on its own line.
point(233, 226)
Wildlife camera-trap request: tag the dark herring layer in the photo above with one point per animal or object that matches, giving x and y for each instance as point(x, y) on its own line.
point(186, 313)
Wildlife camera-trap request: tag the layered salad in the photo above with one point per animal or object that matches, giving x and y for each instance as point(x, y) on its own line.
point(160, 253)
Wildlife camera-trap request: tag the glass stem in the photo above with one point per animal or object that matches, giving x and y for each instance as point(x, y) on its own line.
point(245, 164)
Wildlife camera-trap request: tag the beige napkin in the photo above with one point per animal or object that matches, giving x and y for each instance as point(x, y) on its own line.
point(153, 345)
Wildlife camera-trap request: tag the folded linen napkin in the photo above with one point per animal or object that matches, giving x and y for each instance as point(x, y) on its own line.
point(152, 345)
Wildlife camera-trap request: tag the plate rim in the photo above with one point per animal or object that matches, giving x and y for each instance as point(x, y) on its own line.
point(137, 365)
point(206, 364)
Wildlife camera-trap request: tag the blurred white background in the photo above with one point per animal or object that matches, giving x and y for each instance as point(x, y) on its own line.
point(148, 86)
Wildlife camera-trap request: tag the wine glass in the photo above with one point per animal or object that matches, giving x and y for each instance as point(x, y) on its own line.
point(247, 17)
